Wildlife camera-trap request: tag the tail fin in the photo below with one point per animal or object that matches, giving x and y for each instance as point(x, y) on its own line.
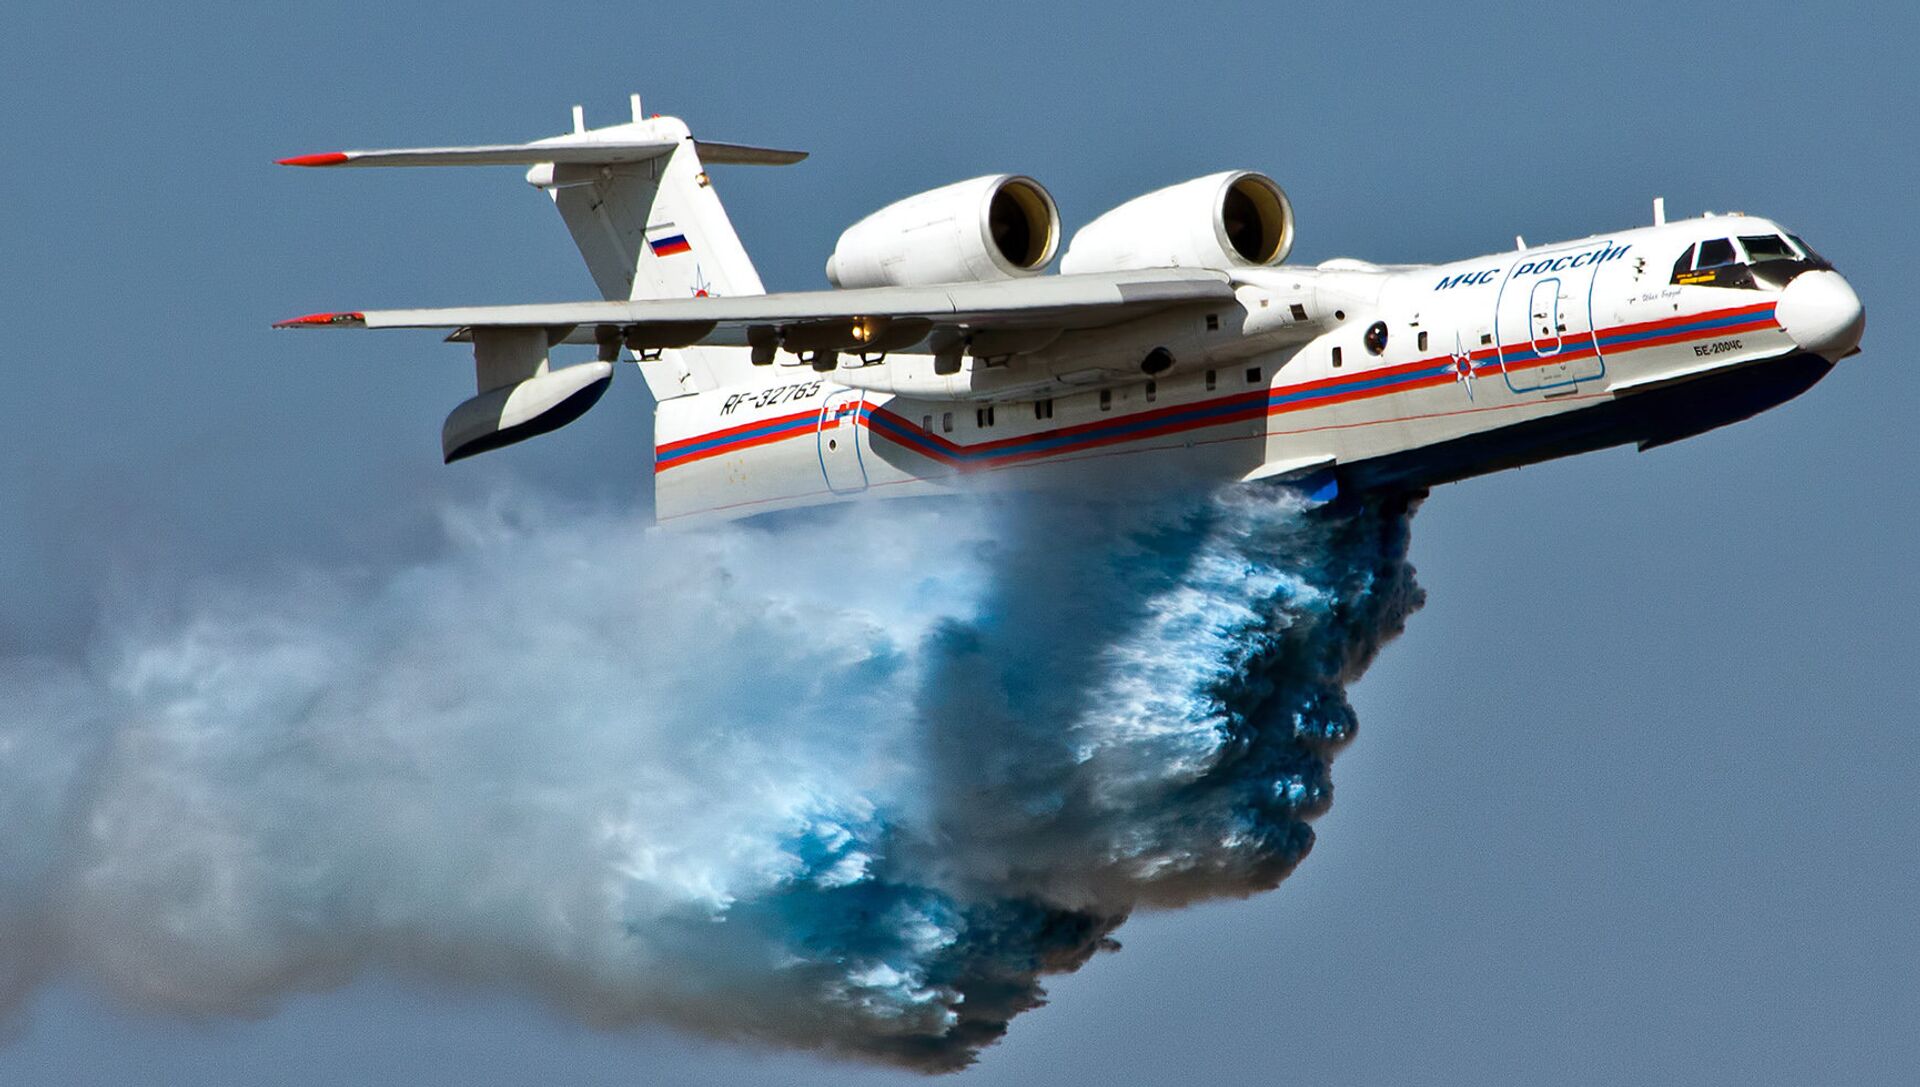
point(636, 198)
point(656, 229)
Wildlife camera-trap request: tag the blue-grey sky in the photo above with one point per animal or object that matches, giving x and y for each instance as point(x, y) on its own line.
point(1635, 798)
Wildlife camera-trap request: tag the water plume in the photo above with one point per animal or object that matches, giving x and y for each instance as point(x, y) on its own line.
point(854, 780)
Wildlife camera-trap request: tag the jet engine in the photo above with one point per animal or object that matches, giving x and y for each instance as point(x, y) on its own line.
point(1237, 219)
point(1003, 226)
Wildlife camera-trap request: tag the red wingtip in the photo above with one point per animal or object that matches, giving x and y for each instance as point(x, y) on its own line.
point(322, 320)
point(331, 158)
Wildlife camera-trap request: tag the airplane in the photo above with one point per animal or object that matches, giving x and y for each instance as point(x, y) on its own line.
point(1173, 344)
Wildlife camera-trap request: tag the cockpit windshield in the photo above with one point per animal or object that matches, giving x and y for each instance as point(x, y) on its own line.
point(1715, 254)
point(1761, 247)
point(1757, 262)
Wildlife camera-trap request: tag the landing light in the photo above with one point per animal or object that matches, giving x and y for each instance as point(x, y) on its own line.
point(866, 329)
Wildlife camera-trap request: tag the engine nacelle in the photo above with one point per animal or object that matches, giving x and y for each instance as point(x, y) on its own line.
point(1237, 219)
point(999, 227)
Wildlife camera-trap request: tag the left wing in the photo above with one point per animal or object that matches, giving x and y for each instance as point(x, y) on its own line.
point(846, 320)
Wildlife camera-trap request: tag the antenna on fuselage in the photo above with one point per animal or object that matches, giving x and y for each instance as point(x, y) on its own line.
point(1659, 211)
point(1519, 242)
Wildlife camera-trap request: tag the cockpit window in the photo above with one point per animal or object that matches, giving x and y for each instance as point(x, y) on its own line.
point(1767, 247)
point(1684, 264)
point(1715, 253)
point(1761, 262)
point(1807, 253)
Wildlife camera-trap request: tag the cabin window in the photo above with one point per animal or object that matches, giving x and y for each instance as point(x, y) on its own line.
point(1423, 341)
point(946, 422)
point(983, 417)
point(1299, 311)
point(1213, 322)
point(1715, 253)
point(1153, 390)
point(1376, 338)
point(1043, 409)
point(1106, 399)
point(1253, 375)
point(1336, 358)
point(926, 423)
point(1211, 380)
point(1486, 338)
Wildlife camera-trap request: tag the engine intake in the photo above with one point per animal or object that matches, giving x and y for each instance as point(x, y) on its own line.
point(1003, 226)
point(1237, 219)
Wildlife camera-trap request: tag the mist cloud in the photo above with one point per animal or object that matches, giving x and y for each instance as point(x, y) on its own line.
point(852, 780)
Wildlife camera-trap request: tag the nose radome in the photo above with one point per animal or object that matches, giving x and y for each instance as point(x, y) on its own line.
point(1822, 314)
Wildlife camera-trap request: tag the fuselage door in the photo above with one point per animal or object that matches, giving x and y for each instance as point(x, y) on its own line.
point(838, 433)
point(1543, 319)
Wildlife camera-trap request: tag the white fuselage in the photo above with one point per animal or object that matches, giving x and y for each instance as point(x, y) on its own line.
point(1503, 359)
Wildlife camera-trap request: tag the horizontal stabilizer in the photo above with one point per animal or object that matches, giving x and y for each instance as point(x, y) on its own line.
point(561, 150)
point(740, 154)
point(506, 154)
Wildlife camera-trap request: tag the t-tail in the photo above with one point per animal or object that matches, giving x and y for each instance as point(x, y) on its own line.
point(637, 199)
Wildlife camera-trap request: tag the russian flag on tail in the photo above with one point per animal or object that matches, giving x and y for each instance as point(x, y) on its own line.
point(666, 241)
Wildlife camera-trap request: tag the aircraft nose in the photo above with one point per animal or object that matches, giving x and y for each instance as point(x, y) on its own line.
point(1822, 314)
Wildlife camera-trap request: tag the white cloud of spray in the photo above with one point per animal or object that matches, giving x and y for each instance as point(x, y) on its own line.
point(852, 780)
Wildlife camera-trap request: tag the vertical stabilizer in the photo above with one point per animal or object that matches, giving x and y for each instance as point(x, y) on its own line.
point(656, 229)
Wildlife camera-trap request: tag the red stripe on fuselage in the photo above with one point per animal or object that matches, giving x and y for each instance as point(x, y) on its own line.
point(1220, 411)
point(669, 448)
